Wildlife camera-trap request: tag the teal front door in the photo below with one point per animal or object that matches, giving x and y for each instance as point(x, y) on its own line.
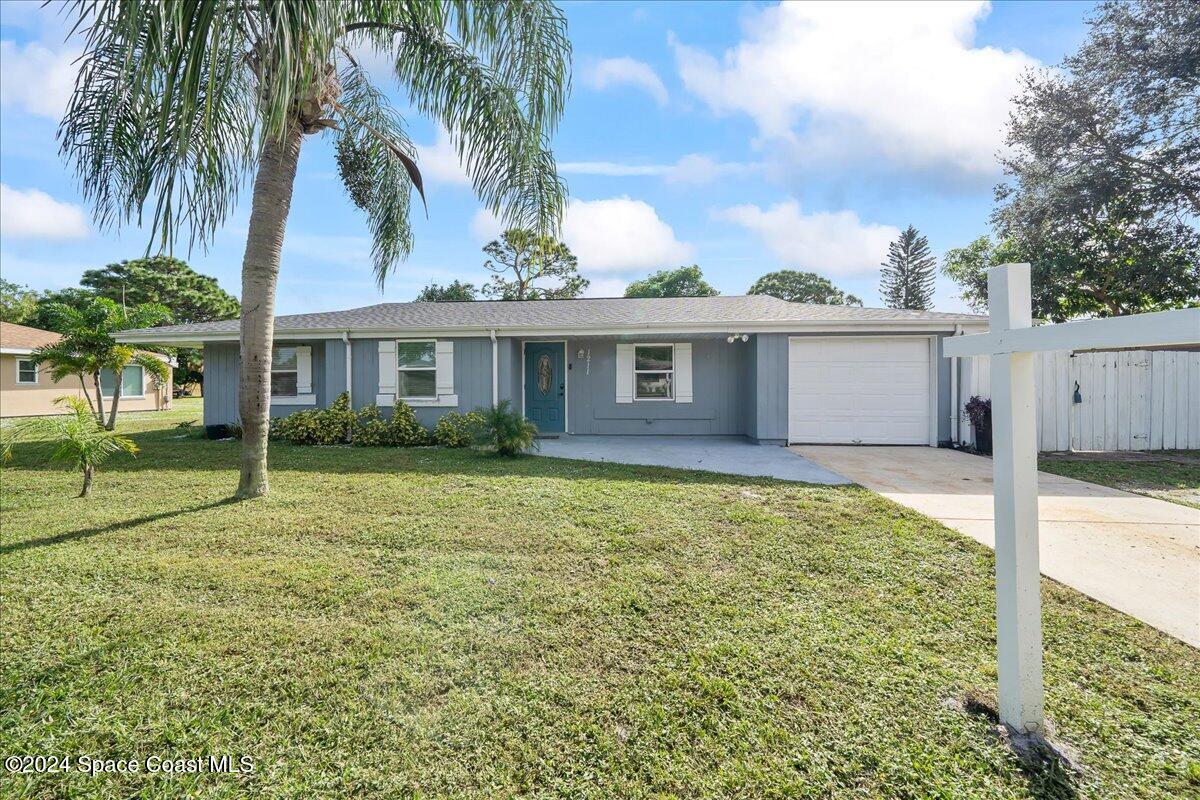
point(546, 386)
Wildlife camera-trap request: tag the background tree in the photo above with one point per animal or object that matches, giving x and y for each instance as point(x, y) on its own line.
point(18, 304)
point(188, 295)
point(968, 266)
point(45, 318)
point(177, 103)
point(456, 291)
point(682, 282)
point(521, 258)
point(906, 280)
point(87, 347)
point(1103, 188)
point(802, 287)
point(76, 440)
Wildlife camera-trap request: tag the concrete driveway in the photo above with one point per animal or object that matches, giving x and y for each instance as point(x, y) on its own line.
point(1137, 554)
point(732, 455)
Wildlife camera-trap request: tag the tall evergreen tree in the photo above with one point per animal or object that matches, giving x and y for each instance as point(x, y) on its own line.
point(906, 280)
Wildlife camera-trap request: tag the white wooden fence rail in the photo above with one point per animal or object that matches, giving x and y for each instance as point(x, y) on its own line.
point(1129, 400)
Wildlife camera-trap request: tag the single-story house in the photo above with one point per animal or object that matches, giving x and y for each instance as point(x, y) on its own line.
point(753, 366)
point(26, 389)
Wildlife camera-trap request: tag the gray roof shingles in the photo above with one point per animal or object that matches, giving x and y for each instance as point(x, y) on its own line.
point(617, 312)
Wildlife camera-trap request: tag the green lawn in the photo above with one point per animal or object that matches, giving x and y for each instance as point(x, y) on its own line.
point(1173, 475)
point(430, 623)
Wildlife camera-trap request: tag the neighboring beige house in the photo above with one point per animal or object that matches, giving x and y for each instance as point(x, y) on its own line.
point(26, 390)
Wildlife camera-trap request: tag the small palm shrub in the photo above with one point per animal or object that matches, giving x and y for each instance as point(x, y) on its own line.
point(457, 430)
point(317, 426)
point(76, 440)
point(504, 431)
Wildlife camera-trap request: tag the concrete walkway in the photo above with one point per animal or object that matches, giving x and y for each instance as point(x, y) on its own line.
point(1137, 554)
point(732, 455)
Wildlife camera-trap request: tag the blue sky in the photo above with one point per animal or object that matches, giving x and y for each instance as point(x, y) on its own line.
point(742, 137)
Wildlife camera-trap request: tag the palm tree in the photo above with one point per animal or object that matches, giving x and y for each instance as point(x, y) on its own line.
point(76, 439)
point(177, 103)
point(87, 347)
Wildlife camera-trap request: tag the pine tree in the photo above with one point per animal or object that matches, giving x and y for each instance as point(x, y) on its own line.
point(906, 280)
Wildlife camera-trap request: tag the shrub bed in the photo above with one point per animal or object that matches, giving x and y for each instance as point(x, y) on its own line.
point(368, 427)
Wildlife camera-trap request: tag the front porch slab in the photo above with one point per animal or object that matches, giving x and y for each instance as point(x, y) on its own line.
point(733, 455)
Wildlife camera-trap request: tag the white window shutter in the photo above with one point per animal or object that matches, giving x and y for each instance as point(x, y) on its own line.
point(304, 369)
point(624, 373)
point(387, 368)
point(683, 372)
point(445, 366)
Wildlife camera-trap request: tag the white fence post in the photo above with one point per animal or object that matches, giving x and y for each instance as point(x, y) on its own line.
point(1014, 453)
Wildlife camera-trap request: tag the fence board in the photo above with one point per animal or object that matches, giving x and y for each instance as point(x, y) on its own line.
point(1156, 400)
point(1139, 403)
point(1194, 401)
point(1168, 401)
point(1066, 399)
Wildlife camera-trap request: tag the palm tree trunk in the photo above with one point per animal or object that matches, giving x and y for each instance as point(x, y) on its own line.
point(86, 394)
point(88, 470)
point(260, 271)
point(116, 398)
point(99, 399)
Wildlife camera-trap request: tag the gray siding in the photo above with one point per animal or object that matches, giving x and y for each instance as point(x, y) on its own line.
point(220, 383)
point(222, 363)
point(334, 382)
point(510, 370)
point(718, 406)
point(770, 387)
point(472, 376)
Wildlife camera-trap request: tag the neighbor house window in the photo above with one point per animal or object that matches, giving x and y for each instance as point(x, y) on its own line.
point(284, 372)
point(653, 371)
point(132, 381)
point(26, 371)
point(416, 363)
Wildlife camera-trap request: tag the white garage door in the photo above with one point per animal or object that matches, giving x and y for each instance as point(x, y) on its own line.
point(859, 390)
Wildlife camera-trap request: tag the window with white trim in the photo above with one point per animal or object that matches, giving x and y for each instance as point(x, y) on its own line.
point(132, 381)
point(653, 371)
point(416, 368)
point(285, 371)
point(27, 371)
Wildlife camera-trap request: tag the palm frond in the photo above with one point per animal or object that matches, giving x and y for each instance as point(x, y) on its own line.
point(162, 126)
point(498, 97)
point(375, 156)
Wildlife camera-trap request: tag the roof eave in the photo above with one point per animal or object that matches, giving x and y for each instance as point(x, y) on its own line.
point(197, 339)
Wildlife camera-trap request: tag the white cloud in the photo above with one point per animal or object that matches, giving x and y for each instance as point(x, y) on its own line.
point(621, 234)
point(610, 72)
point(614, 235)
point(36, 78)
point(439, 161)
point(33, 214)
point(692, 169)
point(611, 169)
point(897, 80)
point(835, 243)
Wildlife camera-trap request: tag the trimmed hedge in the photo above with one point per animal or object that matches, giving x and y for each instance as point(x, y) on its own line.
point(367, 427)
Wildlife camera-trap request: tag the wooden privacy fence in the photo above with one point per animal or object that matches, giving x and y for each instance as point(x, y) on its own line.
point(1128, 399)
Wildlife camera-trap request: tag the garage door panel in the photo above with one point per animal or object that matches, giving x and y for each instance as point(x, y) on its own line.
point(859, 390)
